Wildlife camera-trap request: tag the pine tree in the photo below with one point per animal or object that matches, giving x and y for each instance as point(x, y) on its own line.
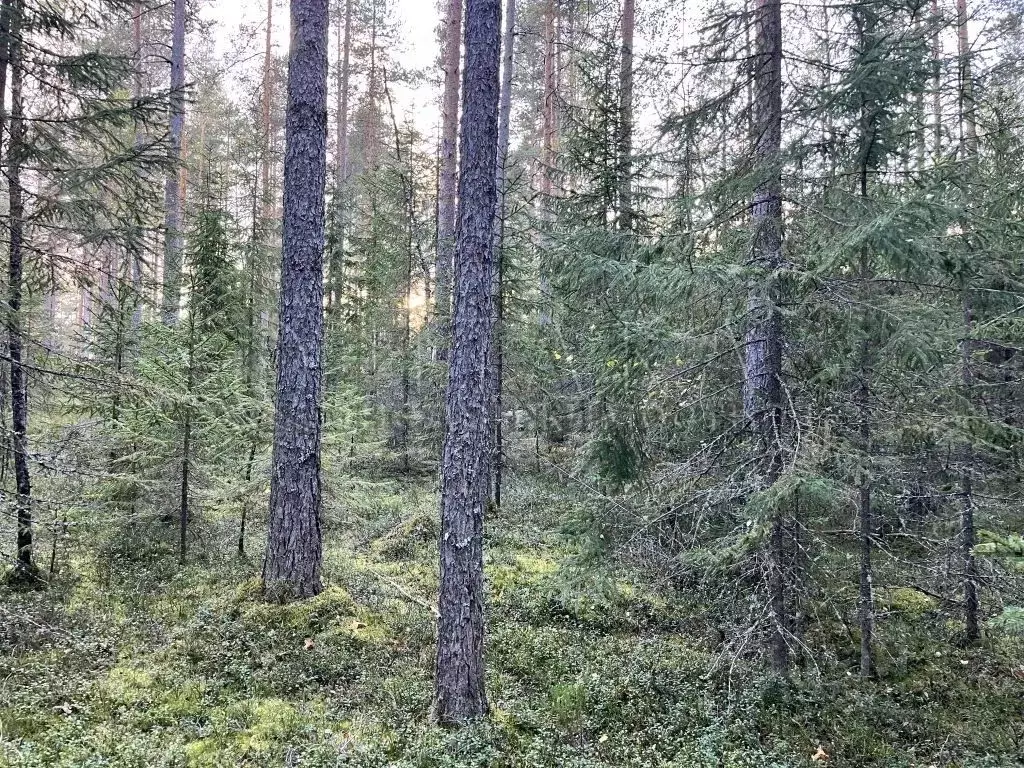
point(459, 694)
point(291, 567)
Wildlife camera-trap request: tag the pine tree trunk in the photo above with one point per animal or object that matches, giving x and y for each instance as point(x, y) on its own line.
point(762, 380)
point(625, 138)
point(174, 239)
point(501, 178)
point(865, 520)
point(266, 105)
point(136, 249)
point(447, 198)
point(459, 682)
point(549, 142)
point(865, 515)
point(19, 379)
point(336, 267)
point(968, 537)
point(550, 107)
point(936, 84)
point(291, 568)
point(7, 19)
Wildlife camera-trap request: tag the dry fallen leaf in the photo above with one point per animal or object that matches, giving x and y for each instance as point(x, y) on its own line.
point(821, 756)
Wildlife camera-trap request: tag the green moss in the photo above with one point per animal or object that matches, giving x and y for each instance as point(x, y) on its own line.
point(911, 603)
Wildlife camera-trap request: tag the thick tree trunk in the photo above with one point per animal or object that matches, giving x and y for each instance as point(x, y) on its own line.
point(501, 178)
point(291, 568)
point(447, 192)
point(459, 682)
point(762, 384)
point(625, 137)
point(19, 378)
point(174, 239)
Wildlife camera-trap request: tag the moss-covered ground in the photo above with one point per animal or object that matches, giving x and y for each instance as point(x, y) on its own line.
point(130, 660)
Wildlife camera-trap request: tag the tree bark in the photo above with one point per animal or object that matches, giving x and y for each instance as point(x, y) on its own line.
point(19, 378)
point(266, 105)
point(291, 568)
point(625, 138)
point(7, 10)
point(865, 520)
point(865, 514)
point(174, 239)
point(447, 197)
point(136, 244)
point(459, 681)
point(550, 107)
point(936, 84)
point(762, 384)
point(968, 536)
point(186, 452)
point(337, 266)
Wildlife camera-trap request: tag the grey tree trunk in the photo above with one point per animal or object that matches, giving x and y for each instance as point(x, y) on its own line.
point(625, 138)
point(865, 515)
point(459, 679)
point(447, 192)
point(136, 245)
point(936, 84)
point(267, 99)
point(19, 380)
point(501, 178)
point(337, 266)
point(174, 239)
point(968, 535)
point(762, 380)
point(865, 524)
point(291, 568)
point(549, 125)
point(6, 17)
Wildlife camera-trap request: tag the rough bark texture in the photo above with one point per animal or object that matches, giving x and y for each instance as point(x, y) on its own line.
point(625, 137)
point(762, 384)
point(19, 379)
point(459, 680)
point(174, 240)
point(291, 568)
point(504, 122)
point(447, 199)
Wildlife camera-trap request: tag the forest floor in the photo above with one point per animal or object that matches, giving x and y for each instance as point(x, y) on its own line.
point(131, 660)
